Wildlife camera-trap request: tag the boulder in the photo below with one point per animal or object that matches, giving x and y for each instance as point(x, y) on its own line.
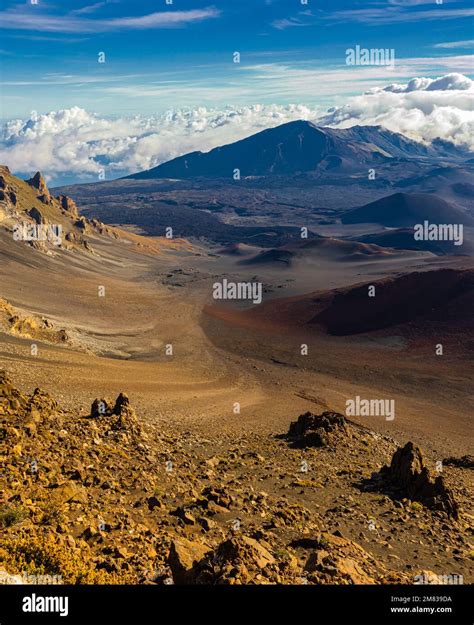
point(69, 492)
point(343, 559)
point(127, 417)
point(37, 215)
point(184, 558)
point(68, 205)
point(409, 474)
point(100, 408)
point(42, 403)
point(45, 198)
point(82, 224)
point(321, 430)
point(239, 559)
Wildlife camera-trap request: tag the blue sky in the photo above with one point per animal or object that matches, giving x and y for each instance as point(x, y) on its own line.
point(160, 56)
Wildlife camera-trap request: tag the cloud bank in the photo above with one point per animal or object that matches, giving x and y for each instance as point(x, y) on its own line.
point(74, 141)
point(78, 144)
point(423, 109)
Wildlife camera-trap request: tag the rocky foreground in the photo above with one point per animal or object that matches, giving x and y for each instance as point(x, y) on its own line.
point(107, 497)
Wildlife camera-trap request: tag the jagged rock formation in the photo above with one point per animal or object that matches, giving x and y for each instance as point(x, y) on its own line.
point(322, 430)
point(69, 206)
point(38, 182)
point(409, 473)
point(244, 560)
point(122, 409)
point(100, 408)
point(83, 224)
point(27, 203)
point(7, 195)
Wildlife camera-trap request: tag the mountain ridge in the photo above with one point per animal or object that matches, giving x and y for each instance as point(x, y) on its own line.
point(298, 147)
point(401, 210)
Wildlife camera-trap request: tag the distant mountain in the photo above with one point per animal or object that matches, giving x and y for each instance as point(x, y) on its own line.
point(404, 210)
point(316, 249)
point(239, 249)
point(440, 300)
point(420, 305)
point(296, 147)
point(402, 239)
point(437, 177)
point(452, 182)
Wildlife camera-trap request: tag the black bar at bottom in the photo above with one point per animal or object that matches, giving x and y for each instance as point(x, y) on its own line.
point(239, 605)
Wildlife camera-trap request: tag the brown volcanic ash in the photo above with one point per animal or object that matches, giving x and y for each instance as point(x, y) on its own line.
point(315, 249)
point(76, 484)
point(438, 297)
point(431, 299)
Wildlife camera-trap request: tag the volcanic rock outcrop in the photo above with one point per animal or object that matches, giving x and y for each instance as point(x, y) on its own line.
point(409, 473)
point(69, 206)
point(38, 182)
point(321, 430)
point(126, 417)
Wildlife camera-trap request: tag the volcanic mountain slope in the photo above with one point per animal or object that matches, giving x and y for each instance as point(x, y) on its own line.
point(29, 204)
point(15, 322)
point(402, 210)
point(440, 300)
point(49, 288)
point(106, 496)
point(456, 179)
point(292, 148)
point(318, 248)
point(25, 205)
point(239, 249)
point(403, 239)
point(429, 302)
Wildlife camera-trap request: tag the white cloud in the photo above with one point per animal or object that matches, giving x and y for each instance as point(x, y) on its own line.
point(18, 18)
point(397, 14)
point(92, 8)
point(74, 142)
point(303, 18)
point(409, 3)
point(422, 109)
point(284, 23)
point(466, 43)
point(450, 82)
point(303, 81)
